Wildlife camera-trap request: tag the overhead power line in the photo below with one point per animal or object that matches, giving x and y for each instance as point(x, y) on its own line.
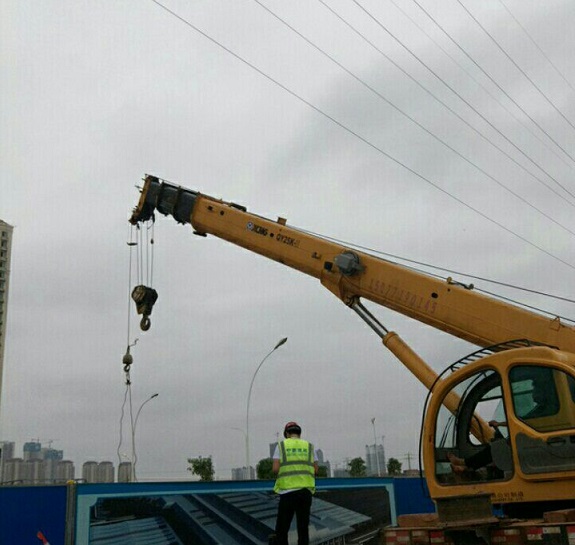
point(423, 128)
point(537, 45)
point(512, 61)
point(359, 137)
point(525, 126)
point(375, 252)
point(433, 135)
point(483, 71)
point(466, 102)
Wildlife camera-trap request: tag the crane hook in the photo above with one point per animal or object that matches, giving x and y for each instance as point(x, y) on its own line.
point(144, 297)
point(145, 323)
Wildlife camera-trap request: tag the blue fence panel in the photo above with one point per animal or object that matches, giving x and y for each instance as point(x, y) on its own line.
point(230, 512)
point(412, 496)
point(27, 510)
point(350, 504)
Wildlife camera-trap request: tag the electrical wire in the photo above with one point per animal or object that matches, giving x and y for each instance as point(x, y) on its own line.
point(536, 45)
point(466, 102)
point(358, 136)
point(512, 61)
point(483, 71)
point(433, 135)
point(488, 92)
point(376, 253)
point(414, 121)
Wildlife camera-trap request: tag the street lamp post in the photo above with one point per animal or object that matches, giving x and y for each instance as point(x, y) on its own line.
point(134, 457)
point(280, 343)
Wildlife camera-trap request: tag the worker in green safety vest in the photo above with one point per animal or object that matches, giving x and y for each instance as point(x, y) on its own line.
point(295, 464)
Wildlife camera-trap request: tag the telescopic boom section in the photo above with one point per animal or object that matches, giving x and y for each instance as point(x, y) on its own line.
point(352, 275)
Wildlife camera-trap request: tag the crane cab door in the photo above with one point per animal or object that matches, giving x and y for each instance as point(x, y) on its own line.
point(531, 405)
point(543, 401)
point(463, 439)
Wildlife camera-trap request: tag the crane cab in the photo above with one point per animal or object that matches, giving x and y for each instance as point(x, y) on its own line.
point(526, 455)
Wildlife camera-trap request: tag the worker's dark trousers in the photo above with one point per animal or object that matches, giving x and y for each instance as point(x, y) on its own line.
point(298, 503)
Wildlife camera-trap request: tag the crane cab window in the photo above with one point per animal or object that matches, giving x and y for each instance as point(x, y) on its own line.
point(544, 401)
point(467, 448)
point(543, 397)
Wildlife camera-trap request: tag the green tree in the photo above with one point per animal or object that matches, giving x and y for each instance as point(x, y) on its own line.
point(393, 466)
point(202, 467)
point(264, 469)
point(356, 467)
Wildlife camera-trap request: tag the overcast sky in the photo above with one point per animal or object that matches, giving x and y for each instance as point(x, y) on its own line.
point(440, 131)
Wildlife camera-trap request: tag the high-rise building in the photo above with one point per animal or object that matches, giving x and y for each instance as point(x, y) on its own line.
point(34, 471)
point(51, 458)
point(14, 471)
point(65, 471)
point(375, 460)
point(323, 463)
point(243, 474)
point(340, 473)
point(6, 453)
point(5, 253)
point(105, 472)
point(125, 472)
point(90, 472)
point(32, 451)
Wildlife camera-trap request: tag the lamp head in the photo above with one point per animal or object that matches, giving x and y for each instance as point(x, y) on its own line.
point(283, 341)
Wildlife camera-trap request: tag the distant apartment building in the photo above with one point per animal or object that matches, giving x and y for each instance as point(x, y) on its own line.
point(32, 451)
point(20, 471)
point(37, 466)
point(375, 460)
point(45, 465)
point(34, 471)
point(14, 471)
point(125, 472)
point(51, 459)
point(90, 472)
point(105, 472)
point(243, 474)
point(341, 473)
point(98, 472)
point(323, 463)
point(65, 471)
point(5, 256)
point(6, 453)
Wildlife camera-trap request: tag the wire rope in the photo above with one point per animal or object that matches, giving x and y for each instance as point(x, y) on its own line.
point(122, 424)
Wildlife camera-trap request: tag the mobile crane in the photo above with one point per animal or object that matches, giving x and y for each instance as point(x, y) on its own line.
point(523, 376)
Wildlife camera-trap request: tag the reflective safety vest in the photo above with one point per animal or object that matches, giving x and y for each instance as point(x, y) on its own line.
point(296, 466)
